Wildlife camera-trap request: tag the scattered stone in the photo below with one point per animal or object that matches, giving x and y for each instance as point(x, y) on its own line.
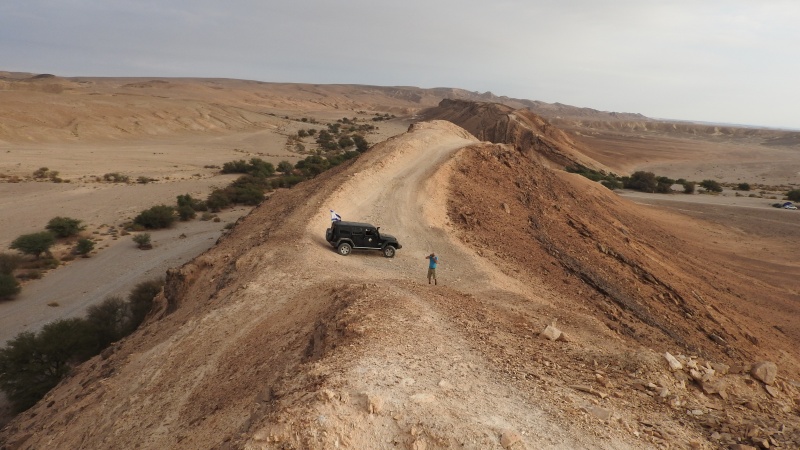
point(423, 398)
point(589, 390)
point(444, 384)
point(509, 438)
point(752, 405)
point(771, 390)
point(742, 447)
point(551, 332)
point(419, 444)
point(764, 371)
point(674, 364)
point(721, 369)
point(564, 338)
point(737, 369)
point(600, 413)
point(374, 404)
point(506, 208)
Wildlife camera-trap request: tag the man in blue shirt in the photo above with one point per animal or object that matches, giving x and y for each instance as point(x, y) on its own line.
point(432, 261)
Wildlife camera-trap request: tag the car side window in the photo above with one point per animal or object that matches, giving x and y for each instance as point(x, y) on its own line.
point(358, 230)
point(344, 232)
point(369, 232)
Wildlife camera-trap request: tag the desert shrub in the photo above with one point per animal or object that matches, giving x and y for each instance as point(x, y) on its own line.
point(611, 184)
point(108, 321)
point(256, 166)
point(287, 181)
point(84, 246)
point(361, 143)
point(64, 226)
point(116, 177)
point(261, 168)
point(160, 216)
point(206, 216)
point(302, 133)
point(145, 180)
point(346, 141)
point(743, 187)
point(246, 194)
point(42, 172)
point(34, 244)
point(793, 195)
point(33, 363)
point(688, 187)
point(711, 185)
point(217, 200)
point(140, 300)
point(239, 166)
point(142, 240)
point(313, 165)
point(9, 286)
point(185, 212)
point(9, 263)
point(642, 181)
point(285, 167)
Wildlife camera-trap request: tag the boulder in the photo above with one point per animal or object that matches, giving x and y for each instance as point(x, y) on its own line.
point(764, 371)
point(674, 364)
point(551, 332)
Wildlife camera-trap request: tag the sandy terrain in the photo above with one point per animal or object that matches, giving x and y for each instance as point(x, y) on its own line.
point(270, 339)
point(289, 345)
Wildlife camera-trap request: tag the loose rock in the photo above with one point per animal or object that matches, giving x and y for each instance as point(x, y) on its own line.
point(509, 438)
point(764, 371)
point(551, 333)
point(674, 364)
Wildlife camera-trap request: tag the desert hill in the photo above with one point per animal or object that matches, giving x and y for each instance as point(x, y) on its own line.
point(272, 340)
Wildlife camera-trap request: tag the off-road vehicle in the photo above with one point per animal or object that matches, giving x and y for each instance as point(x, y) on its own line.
point(349, 236)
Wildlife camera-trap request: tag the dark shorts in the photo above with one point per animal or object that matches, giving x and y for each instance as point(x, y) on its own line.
point(431, 274)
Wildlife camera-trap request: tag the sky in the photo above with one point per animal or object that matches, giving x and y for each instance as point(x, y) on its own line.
point(732, 61)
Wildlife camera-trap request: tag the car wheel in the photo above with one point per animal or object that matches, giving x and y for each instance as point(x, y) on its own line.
point(388, 251)
point(344, 249)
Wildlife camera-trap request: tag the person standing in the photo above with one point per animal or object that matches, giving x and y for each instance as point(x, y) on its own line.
point(433, 260)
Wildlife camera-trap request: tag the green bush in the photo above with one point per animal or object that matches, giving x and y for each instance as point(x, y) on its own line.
point(160, 216)
point(185, 212)
point(239, 166)
point(142, 240)
point(84, 246)
point(361, 143)
point(642, 181)
point(793, 195)
point(688, 187)
point(140, 300)
point(743, 187)
point(9, 263)
point(34, 244)
point(108, 321)
point(64, 226)
point(217, 200)
point(9, 286)
point(711, 185)
point(285, 167)
point(33, 363)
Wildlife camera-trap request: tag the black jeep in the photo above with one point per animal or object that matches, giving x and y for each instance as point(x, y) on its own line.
point(349, 236)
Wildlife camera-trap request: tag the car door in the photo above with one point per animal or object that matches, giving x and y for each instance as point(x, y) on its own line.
point(371, 238)
point(357, 235)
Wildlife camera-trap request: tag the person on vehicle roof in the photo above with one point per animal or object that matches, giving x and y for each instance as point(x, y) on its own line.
point(433, 260)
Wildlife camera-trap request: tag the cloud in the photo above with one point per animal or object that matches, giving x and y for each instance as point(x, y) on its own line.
point(709, 60)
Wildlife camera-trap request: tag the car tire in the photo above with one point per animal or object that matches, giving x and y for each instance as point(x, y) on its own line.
point(388, 251)
point(344, 249)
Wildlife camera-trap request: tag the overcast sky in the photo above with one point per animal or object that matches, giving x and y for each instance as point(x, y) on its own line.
point(733, 61)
